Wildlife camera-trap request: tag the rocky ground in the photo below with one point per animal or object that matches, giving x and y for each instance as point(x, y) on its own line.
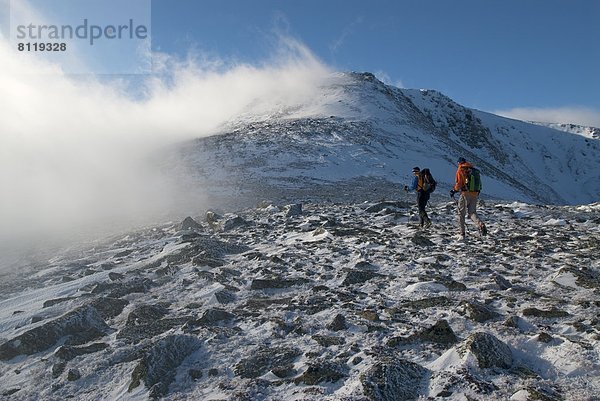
point(315, 301)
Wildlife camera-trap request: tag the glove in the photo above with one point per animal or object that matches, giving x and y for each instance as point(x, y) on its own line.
point(452, 192)
point(406, 188)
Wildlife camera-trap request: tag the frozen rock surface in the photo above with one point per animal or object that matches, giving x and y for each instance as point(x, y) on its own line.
point(358, 311)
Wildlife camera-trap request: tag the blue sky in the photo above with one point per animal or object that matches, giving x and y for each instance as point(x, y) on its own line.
point(528, 59)
point(487, 54)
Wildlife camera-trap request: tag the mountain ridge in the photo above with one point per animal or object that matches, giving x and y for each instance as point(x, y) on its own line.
point(360, 127)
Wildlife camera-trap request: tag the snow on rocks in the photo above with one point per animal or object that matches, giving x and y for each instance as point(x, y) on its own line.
point(330, 304)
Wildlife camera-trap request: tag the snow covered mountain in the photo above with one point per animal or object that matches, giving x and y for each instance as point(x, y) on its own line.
point(325, 291)
point(588, 132)
point(359, 127)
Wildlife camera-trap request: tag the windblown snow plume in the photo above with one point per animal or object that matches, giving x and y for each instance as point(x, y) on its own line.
point(77, 151)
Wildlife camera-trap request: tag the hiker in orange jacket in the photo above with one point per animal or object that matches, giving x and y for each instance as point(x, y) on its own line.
point(467, 203)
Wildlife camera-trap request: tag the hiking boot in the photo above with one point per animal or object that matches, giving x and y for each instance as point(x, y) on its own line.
point(428, 223)
point(483, 229)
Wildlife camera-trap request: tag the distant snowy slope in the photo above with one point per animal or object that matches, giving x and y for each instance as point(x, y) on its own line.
point(360, 127)
point(588, 132)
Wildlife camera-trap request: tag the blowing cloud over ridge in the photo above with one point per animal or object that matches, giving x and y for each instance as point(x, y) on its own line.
point(76, 151)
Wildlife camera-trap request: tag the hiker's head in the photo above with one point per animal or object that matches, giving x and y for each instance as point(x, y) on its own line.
point(416, 170)
point(461, 160)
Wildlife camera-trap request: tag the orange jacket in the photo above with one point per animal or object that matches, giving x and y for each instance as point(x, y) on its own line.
point(461, 177)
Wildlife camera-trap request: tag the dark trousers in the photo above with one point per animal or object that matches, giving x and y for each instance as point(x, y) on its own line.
point(422, 199)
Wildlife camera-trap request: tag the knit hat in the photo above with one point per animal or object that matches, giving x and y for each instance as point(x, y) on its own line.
point(461, 160)
point(416, 169)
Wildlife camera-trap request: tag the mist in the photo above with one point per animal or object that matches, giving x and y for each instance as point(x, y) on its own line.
point(80, 153)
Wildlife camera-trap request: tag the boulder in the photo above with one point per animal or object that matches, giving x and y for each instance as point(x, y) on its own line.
point(420, 240)
point(81, 325)
point(293, 210)
point(190, 224)
point(67, 352)
point(393, 380)
point(439, 333)
point(359, 276)
point(159, 364)
point(322, 372)
point(478, 312)
point(338, 323)
point(266, 359)
point(212, 317)
point(550, 314)
point(489, 351)
point(276, 283)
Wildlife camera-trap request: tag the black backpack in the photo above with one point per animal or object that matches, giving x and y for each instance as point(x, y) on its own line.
point(428, 183)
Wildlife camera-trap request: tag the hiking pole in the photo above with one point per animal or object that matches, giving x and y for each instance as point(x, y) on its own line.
point(458, 211)
point(407, 206)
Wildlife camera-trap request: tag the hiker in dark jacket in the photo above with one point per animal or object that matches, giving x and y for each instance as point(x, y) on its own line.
point(422, 195)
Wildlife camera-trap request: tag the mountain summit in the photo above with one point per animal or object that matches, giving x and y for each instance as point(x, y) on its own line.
point(357, 130)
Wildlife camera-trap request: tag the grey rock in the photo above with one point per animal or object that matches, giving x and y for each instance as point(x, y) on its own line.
point(427, 303)
point(327, 341)
point(83, 324)
point(58, 369)
point(52, 302)
point(479, 312)
point(265, 359)
point(234, 222)
point(67, 352)
point(146, 321)
point(145, 314)
point(195, 374)
point(284, 371)
point(378, 207)
point(73, 375)
point(454, 285)
point(359, 276)
point(202, 260)
point(545, 337)
point(212, 317)
point(276, 283)
point(11, 391)
point(551, 313)
point(440, 333)
point(513, 321)
point(190, 224)
point(420, 240)
point(108, 307)
point(393, 380)
point(225, 297)
point(338, 323)
point(503, 283)
point(293, 210)
point(119, 289)
point(159, 364)
point(489, 351)
point(322, 372)
point(115, 276)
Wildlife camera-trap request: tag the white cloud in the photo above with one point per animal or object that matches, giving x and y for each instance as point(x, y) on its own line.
point(564, 115)
point(340, 41)
point(75, 151)
point(386, 79)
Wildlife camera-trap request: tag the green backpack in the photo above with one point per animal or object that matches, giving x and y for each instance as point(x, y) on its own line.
point(473, 183)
